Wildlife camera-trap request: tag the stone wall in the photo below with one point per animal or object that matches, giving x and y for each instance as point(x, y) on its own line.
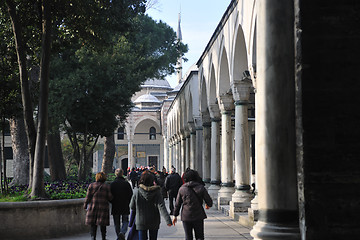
point(328, 81)
point(42, 219)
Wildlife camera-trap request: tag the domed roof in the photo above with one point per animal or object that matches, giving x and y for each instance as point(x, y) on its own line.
point(163, 83)
point(147, 98)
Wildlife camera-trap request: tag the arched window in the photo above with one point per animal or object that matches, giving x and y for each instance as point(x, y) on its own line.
point(120, 133)
point(152, 135)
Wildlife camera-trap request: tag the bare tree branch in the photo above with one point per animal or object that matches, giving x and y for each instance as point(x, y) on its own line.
point(152, 4)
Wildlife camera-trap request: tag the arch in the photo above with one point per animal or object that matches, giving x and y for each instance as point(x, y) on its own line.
point(120, 133)
point(190, 110)
point(224, 76)
point(203, 96)
point(212, 87)
point(145, 124)
point(152, 133)
point(240, 62)
point(143, 118)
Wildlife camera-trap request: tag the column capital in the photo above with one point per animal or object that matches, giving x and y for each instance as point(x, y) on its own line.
point(241, 90)
point(214, 110)
point(226, 102)
point(191, 126)
point(206, 120)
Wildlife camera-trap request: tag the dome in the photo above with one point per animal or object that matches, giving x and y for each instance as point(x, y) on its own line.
point(156, 83)
point(147, 98)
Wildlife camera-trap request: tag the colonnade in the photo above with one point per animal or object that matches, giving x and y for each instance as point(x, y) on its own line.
point(261, 45)
point(224, 163)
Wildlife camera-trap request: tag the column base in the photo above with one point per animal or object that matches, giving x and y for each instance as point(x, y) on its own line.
point(275, 231)
point(213, 191)
point(253, 214)
point(253, 211)
point(240, 201)
point(225, 195)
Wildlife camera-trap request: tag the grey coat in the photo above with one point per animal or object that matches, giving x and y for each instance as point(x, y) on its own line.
point(147, 202)
point(191, 196)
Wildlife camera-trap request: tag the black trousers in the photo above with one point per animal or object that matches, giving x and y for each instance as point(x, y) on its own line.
point(171, 203)
point(93, 232)
point(197, 226)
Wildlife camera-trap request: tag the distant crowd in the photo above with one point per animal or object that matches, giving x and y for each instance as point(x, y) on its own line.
point(138, 205)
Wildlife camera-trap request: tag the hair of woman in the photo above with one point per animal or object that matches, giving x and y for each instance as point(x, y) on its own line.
point(191, 175)
point(147, 179)
point(100, 177)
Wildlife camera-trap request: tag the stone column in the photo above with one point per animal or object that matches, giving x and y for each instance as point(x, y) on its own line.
point(275, 123)
point(193, 160)
point(130, 153)
point(198, 151)
point(166, 153)
point(188, 160)
point(183, 153)
point(227, 176)
point(169, 163)
point(215, 152)
point(206, 156)
point(178, 153)
point(241, 198)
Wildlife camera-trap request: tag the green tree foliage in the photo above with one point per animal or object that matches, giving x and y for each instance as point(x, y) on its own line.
point(91, 88)
point(10, 102)
point(31, 22)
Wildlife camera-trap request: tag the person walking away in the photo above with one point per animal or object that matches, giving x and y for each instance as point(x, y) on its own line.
point(161, 180)
point(172, 184)
point(148, 204)
point(97, 204)
point(122, 193)
point(191, 196)
point(133, 177)
point(155, 174)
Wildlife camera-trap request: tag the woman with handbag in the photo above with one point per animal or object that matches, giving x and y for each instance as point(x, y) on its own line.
point(97, 205)
point(191, 196)
point(147, 203)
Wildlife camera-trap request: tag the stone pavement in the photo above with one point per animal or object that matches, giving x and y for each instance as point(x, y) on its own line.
point(217, 226)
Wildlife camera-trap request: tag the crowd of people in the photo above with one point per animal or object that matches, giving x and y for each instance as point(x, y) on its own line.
point(137, 201)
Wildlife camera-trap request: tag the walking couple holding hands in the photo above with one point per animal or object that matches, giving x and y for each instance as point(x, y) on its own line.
point(147, 204)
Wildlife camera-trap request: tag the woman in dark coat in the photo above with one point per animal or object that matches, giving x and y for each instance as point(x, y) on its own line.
point(191, 196)
point(147, 202)
point(97, 205)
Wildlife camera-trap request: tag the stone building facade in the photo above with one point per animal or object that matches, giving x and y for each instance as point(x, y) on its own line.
point(139, 142)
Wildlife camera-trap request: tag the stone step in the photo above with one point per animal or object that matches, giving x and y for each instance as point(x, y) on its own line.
point(241, 217)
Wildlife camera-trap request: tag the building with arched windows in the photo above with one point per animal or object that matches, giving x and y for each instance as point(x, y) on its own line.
point(139, 142)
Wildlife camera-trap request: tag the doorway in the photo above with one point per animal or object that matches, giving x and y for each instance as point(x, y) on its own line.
point(153, 161)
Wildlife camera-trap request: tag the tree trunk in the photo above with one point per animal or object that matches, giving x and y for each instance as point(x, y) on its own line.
point(4, 187)
point(86, 160)
point(20, 152)
point(109, 153)
point(38, 189)
point(55, 156)
point(24, 80)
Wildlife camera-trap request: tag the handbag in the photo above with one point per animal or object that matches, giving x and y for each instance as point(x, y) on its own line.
point(133, 233)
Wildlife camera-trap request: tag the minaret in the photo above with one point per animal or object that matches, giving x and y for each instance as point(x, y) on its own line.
point(179, 61)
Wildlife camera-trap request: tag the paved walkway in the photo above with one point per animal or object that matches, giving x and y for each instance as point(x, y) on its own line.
point(217, 226)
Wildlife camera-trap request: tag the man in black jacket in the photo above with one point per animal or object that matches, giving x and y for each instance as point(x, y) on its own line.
point(122, 192)
point(172, 184)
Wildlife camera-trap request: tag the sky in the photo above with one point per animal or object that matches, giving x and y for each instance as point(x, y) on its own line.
point(199, 19)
